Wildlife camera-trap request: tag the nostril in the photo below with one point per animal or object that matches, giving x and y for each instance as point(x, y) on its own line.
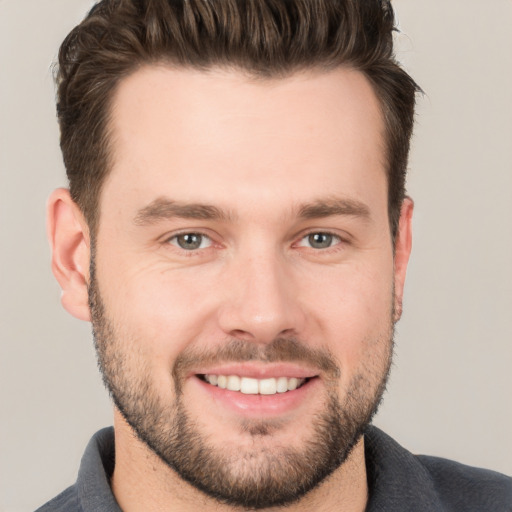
point(241, 335)
point(287, 333)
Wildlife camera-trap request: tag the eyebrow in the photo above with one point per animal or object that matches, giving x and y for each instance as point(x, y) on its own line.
point(334, 206)
point(164, 209)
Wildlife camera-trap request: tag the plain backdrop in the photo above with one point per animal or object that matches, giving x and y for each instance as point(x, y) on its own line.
point(451, 387)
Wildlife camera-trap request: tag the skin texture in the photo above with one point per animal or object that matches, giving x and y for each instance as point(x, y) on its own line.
point(274, 162)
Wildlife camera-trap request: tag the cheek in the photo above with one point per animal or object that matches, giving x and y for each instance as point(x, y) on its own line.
point(353, 311)
point(164, 311)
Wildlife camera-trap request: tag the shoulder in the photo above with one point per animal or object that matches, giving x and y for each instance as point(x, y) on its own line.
point(91, 491)
point(66, 501)
point(400, 480)
point(474, 488)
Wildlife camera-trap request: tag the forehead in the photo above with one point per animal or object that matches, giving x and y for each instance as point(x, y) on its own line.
point(212, 135)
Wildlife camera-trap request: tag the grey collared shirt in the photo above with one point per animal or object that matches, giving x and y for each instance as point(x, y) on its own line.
point(398, 481)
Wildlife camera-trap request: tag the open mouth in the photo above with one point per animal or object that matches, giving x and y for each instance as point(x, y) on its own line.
point(250, 386)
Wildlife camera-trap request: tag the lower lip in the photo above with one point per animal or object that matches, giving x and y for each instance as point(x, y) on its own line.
point(259, 405)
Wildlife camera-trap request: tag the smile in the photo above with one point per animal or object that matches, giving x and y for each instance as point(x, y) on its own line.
point(250, 386)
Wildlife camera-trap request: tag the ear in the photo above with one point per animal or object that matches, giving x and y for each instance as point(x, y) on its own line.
point(403, 245)
point(68, 235)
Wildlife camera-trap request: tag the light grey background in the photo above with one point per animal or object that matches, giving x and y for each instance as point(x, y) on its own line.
point(451, 387)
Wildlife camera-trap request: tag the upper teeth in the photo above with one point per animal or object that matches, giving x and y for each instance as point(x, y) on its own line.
point(255, 386)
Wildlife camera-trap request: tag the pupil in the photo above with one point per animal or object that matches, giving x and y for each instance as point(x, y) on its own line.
point(320, 240)
point(189, 241)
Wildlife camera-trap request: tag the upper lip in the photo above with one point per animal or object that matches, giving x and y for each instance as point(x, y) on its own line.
point(258, 370)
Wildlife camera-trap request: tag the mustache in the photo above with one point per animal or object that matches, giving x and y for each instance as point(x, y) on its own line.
point(280, 349)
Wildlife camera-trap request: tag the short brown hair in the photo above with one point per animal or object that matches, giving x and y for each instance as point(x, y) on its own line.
point(267, 38)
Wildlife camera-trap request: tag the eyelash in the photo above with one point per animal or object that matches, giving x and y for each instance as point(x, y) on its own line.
point(191, 252)
point(339, 241)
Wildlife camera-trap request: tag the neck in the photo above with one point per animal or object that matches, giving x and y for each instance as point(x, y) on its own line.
point(143, 482)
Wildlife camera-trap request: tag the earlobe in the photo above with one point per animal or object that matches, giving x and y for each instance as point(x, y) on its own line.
point(403, 246)
point(68, 235)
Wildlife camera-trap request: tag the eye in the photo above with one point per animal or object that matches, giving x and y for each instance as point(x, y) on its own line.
point(191, 241)
point(320, 240)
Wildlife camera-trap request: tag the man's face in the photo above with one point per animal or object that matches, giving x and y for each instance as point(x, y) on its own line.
point(244, 242)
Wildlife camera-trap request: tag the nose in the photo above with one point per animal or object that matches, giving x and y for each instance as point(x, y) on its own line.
point(261, 299)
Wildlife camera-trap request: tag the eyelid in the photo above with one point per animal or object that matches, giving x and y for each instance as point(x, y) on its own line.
point(339, 239)
point(204, 238)
point(343, 240)
point(168, 239)
point(305, 236)
point(185, 231)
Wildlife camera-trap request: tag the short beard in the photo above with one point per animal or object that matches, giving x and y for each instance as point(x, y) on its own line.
point(263, 476)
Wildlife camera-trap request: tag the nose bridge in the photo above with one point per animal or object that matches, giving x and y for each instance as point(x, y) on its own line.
point(261, 303)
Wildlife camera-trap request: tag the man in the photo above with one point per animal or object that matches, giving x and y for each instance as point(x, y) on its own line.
point(238, 233)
